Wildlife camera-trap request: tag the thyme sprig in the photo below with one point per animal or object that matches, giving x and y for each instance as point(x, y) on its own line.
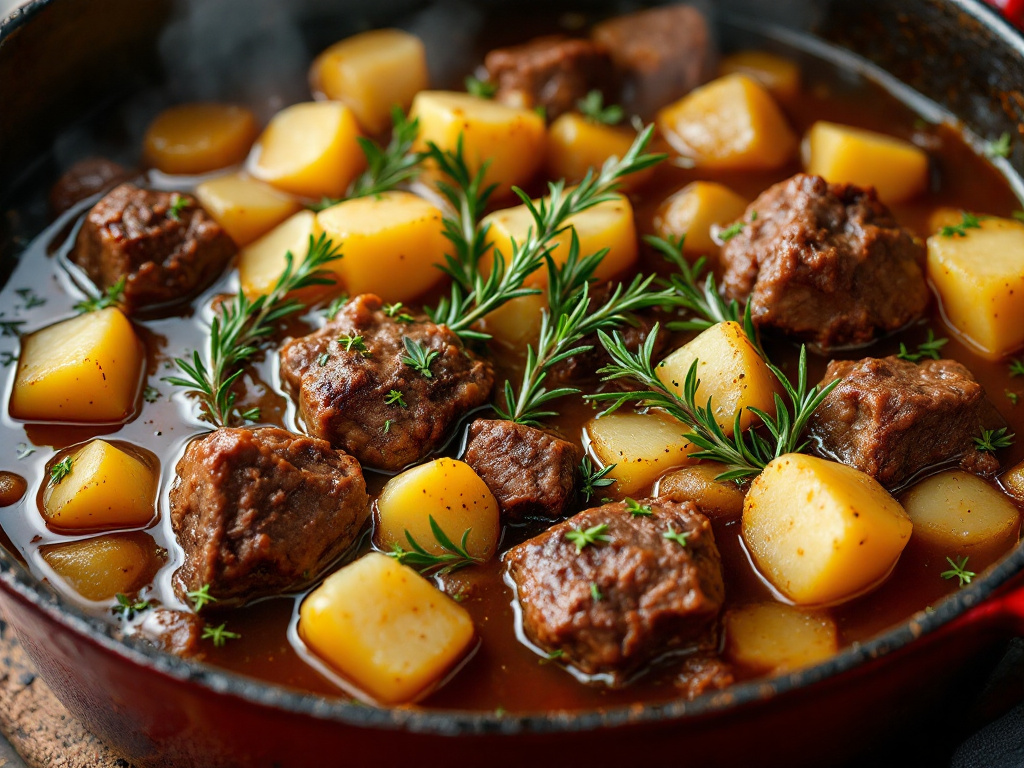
point(593, 108)
point(958, 571)
point(418, 357)
point(592, 478)
point(930, 348)
point(992, 440)
point(453, 556)
point(109, 298)
point(127, 607)
point(61, 469)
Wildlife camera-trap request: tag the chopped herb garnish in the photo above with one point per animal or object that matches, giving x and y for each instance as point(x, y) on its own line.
point(1000, 147)
point(482, 89)
point(636, 509)
point(200, 597)
point(395, 311)
point(418, 357)
point(110, 298)
point(552, 656)
point(959, 571)
point(387, 427)
point(331, 310)
point(592, 107)
point(1016, 368)
point(127, 607)
point(929, 348)
point(967, 221)
point(220, 635)
point(253, 414)
point(453, 556)
point(61, 469)
point(1012, 396)
point(596, 534)
point(595, 592)
point(178, 204)
point(354, 344)
point(394, 397)
point(31, 299)
point(679, 537)
point(6, 358)
point(992, 440)
point(592, 478)
point(150, 394)
point(11, 328)
point(727, 234)
point(322, 359)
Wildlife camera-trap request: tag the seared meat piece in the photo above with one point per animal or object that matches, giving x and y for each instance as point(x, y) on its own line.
point(84, 179)
point(175, 632)
point(531, 472)
point(892, 418)
point(353, 389)
point(703, 673)
point(552, 72)
point(653, 594)
point(262, 511)
point(825, 262)
point(133, 233)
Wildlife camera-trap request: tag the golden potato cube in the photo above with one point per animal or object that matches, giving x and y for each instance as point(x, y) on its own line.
point(84, 370)
point(447, 490)
point(199, 138)
point(822, 532)
point(509, 138)
point(693, 210)
point(642, 446)
point(261, 263)
point(980, 281)
point(386, 628)
point(608, 225)
point(107, 487)
point(781, 76)
point(1013, 481)
point(716, 498)
point(576, 145)
point(372, 72)
point(731, 123)
point(516, 323)
point(773, 637)
point(245, 207)
point(392, 244)
point(731, 371)
point(101, 567)
point(842, 154)
point(310, 149)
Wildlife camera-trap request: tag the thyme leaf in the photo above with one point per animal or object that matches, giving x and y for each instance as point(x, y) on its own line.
point(110, 298)
point(453, 556)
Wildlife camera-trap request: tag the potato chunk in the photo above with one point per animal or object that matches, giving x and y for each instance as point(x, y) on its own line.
point(107, 487)
point(245, 207)
point(516, 323)
point(450, 492)
point(261, 263)
point(386, 628)
point(642, 446)
point(841, 154)
point(693, 210)
point(310, 149)
point(960, 513)
point(84, 370)
point(371, 72)
point(731, 123)
point(576, 145)
point(200, 137)
point(99, 568)
point(772, 637)
point(392, 244)
point(779, 75)
point(716, 498)
point(731, 373)
point(822, 532)
point(980, 281)
point(510, 138)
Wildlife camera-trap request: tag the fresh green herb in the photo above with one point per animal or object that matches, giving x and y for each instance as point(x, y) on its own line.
point(453, 556)
point(967, 221)
point(482, 89)
point(387, 426)
point(1012, 396)
point(595, 592)
point(110, 298)
point(220, 635)
point(592, 107)
point(200, 597)
point(999, 148)
point(727, 234)
point(127, 608)
point(636, 509)
point(61, 469)
point(552, 656)
point(11, 328)
point(679, 537)
point(929, 348)
point(331, 310)
point(1018, 215)
point(1016, 368)
point(394, 397)
point(150, 394)
point(6, 358)
point(23, 451)
point(541, 111)
point(992, 440)
point(959, 571)
point(31, 299)
point(596, 534)
point(354, 344)
point(252, 414)
point(418, 357)
point(593, 478)
point(395, 311)
point(178, 204)
point(322, 359)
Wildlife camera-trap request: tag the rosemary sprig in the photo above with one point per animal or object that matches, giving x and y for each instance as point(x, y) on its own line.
point(992, 440)
point(482, 89)
point(453, 556)
point(593, 108)
point(592, 478)
point(418, 357)
point(110, 298)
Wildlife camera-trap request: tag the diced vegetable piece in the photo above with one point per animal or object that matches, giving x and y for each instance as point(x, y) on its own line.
point(84, 370)
point(980, 280)
point(698, 484)
point(310, 149)
point(198, 138)
point(607, 225)
point(693, 210)
point(772, 637)
point(944, 216)
point(245, 207)
point(107, 487)
point(960, 513)
point(731, 123)
point(509, 138)
point(371, 72)
point(99, 568)
point(450, 492)
point(842, 154)
point(576, 145)
point(822, 532)
point(1013, 481)
point(731, 373)
point(261, 263)
point(642, 446)
point(779, 75)
point(517, 322)
point(386, 628)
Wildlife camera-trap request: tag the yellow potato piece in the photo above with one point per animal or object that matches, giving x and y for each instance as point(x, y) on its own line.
point(576, 145)
point(731, 123)
point(372, 72)
point(509, 138)
point(822, 532)
point(245, 207)
point(980, 281)
point(841, 154)
point(693, 210)
point(716, 498)
point(642, 446)
point(99, 568)
point(108, 487)
point(261, 263)
point(1013, 481)
point(310, 149)
point(392, 244)
point(781, 76)
point(84, 370)
point(772, 637)
point(731, 373)
point(516, 323)
point(450, 492)
point(386, 628)
point(199, 138)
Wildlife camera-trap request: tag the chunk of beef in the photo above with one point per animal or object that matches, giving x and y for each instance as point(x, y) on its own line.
point(166, 254)
point(262, 511)
point(84, 179)
point(664, 53)
point(891, 418)
point(360, 395)
point(531, 472)
point(175, 632)
point(655, 594)
point(825, 262)
point(703, 673)
point(552, 72)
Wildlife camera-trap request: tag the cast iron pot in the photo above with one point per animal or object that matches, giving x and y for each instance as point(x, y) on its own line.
point(61, 59)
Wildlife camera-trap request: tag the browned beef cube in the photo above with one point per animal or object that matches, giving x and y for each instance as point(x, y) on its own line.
point(531, 472)
point(166, 255)
point(664, 53)
point(703, 673)
point(262, 511)
point(552, 72)
point(354, 390)
point(84, 179)
point(175, 632)
point(617, 604)
point(892, 418)
point(825, 262)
